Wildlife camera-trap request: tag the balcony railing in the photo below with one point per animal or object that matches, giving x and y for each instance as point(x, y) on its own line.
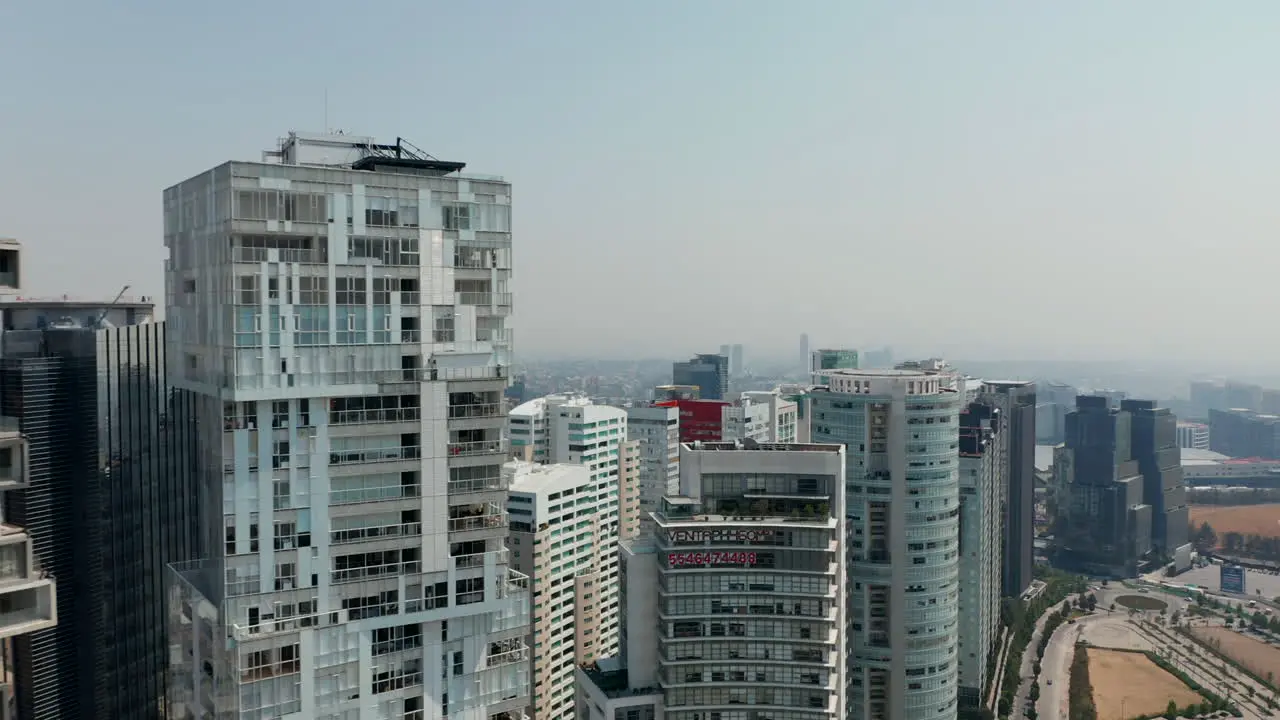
point(475, 560)
point(376, 415)
point(483, 298)
point(478, 447)
point(484, 410)
point(381, 532)
point(373, 494)
point(374, 455)
point(375, 571)
point(477, 522)
point(515, 655)
point(477, 485)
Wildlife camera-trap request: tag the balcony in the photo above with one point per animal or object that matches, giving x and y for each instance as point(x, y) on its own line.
point(27, 607)
point(483, 299)
point(369, 534)
point(475, 486)
point(482, 410)
point(478, 447)
point(13, 456)
point(372, 416)
point(478, 522)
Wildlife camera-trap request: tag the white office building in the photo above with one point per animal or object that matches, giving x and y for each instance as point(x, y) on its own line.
point(570, 428)
point(657, 430)
point(341, 310)
point(744, 582)
point(1193, 436)
point(900, 431)
point(553, 541)
point(760, 415)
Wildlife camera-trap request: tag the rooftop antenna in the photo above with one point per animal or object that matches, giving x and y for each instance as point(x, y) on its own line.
point(326, 110)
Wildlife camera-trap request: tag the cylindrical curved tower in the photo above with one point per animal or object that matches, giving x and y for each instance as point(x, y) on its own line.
point(900, 428)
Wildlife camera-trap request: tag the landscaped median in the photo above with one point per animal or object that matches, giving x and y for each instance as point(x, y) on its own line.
point(1021, 620)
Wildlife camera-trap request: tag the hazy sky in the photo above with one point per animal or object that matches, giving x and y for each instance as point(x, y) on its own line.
point(1040, 179)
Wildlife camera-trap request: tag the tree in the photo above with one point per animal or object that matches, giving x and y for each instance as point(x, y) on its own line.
point(1171, 710)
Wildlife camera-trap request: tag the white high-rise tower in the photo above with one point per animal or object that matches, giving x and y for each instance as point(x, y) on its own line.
point(341, 309)
point(900, 430)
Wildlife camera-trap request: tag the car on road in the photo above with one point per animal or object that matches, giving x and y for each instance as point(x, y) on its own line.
point(1050, 681)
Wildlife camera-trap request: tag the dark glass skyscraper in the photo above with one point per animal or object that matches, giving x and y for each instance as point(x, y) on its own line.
point(1103, 524)
point(1154, 445)
point(709, 372)
point(1016, 400)
point(109, 505)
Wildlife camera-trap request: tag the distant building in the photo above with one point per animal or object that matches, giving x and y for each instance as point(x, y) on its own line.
point(804, 348)
point(1122, 504)
point(831, 359)
point(677, 392)
point(657, 430)
point(1053, 402)
point(700, 420)
point(1154, 445)
point(877, 359)
point(1241, 432)
point(761, 415)
point(709, 372)
point(1193, 435)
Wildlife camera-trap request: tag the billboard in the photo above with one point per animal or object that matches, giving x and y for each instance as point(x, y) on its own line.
point(1232, 579)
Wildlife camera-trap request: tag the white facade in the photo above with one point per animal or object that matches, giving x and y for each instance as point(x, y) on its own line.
point(1193, 436)
point(552, 544)
point(900, 431)
point(657, 429)
point(981, 480)
point(346, 329)
point(571, 429)
point(760, 415)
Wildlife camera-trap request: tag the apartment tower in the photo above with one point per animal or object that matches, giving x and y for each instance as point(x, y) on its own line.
point(571, 429)
point(340, 310)
point(902, 465)
point(553, 541)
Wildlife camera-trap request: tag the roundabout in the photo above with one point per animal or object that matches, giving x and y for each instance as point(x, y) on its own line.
point(1144, 603)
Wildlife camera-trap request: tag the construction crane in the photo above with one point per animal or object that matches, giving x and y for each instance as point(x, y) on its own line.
point(111, 304)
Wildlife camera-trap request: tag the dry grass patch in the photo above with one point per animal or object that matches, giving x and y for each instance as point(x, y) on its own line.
point(1262, 659)
point(1244, 519)
point(1128, 684)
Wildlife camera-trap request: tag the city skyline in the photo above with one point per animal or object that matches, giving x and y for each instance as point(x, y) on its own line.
point(938, 152)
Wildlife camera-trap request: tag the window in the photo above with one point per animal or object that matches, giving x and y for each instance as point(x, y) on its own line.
point(350, 290)
point(458, 216)
point(313, 291)
point(470, 590)
point(286, 576)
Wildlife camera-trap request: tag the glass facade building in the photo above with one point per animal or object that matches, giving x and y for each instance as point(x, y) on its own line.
point(108, 505)
point(751, 583)
point(900, 429)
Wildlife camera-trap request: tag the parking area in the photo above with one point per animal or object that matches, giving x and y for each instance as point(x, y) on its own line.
point(1207, 577)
